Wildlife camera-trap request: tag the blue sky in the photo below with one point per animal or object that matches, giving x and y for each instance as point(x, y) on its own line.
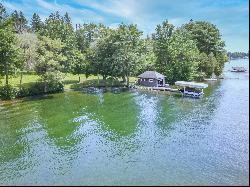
point(230, 16)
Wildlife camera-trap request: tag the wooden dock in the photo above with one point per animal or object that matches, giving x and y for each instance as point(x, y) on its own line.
point(165, 89)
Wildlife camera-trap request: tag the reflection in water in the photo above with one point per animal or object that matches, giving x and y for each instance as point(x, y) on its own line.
point(128, 138)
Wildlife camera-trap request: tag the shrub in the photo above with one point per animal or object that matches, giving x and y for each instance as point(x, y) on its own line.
point(7, 92)
point(53, 81)
point(55, 87)
point(38, 89)
point(23, 92)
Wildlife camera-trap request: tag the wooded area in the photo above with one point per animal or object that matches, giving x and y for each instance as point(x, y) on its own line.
point(49, 48)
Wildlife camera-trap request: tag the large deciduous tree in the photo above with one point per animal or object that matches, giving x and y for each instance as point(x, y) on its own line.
point(127, 50)
point(148, 57)
point(89, 33)
point(28, 43)
point(208, 40)
point(58, 27)
point(49, 60)
point(79, 63)
point(117, 53)
point(177, 54)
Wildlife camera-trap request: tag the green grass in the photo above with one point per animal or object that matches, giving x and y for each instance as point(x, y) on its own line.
point(15, 80)
point(69, 81)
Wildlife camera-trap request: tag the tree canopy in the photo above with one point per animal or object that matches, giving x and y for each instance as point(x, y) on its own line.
point(192, 51)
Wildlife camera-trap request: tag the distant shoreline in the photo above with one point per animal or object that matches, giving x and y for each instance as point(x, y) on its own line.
point(238, 58)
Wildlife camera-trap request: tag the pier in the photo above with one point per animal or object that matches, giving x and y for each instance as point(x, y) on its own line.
point(165, 89)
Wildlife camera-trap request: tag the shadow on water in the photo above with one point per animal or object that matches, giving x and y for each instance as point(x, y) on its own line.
point(98, 90)
point(118, 114)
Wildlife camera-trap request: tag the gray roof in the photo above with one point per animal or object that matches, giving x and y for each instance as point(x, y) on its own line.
point(151, 75)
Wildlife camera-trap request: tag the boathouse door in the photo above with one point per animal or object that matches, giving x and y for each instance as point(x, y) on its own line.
point(160, 82)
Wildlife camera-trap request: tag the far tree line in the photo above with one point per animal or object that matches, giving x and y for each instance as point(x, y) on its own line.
point(54, 46)
point(235, 55)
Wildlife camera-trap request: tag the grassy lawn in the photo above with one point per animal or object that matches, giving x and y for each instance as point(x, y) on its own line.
point(15, 80)
point(70, 81)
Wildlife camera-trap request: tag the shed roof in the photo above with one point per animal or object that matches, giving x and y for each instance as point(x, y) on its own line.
point(191, 84)
point(151, 74)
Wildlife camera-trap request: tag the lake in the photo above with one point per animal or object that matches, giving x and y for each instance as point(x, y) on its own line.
point(129, 138)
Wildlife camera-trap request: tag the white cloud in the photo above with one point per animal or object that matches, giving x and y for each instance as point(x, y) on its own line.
point(44, 8)
point(121, 8)
point(228, 15)
point(77, 15)
point(12, 6)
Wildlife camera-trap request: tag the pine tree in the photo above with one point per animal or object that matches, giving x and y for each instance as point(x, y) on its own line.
point(19, 21)
point(67, 19)
point(3, 14)
point(36, 23)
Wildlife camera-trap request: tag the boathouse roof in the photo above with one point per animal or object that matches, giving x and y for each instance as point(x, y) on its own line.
point(151, 75)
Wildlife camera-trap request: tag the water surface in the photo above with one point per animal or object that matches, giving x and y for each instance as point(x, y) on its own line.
point(129, 138)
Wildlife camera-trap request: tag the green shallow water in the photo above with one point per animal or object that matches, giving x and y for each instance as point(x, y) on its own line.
point(130, 138)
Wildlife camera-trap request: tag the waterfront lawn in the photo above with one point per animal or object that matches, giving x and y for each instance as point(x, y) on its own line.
point(70, 81)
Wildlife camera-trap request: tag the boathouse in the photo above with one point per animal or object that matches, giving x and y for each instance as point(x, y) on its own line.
point(151, 79)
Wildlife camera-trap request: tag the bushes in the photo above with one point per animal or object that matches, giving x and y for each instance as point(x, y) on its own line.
point(38, 89)
point(50, 83)
point(8, 92)
point(32, 90)
point(55, 87)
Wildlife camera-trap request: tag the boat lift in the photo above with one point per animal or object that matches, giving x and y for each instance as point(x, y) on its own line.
point(192, 89)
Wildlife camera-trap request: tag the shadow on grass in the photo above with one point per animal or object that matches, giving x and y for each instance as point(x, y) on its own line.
point(70, 82)
point(37, 97)
point(27, 85)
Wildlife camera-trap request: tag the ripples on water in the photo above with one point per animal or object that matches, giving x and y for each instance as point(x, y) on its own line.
point(129, 138)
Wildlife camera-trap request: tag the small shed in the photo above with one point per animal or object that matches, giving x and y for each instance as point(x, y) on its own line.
point(151, 79)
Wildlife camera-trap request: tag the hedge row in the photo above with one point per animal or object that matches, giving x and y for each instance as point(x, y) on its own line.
point(9, 92)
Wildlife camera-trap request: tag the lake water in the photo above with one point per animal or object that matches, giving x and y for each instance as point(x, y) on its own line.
point(130, 138)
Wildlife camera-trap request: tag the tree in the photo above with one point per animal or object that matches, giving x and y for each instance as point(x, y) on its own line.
point(36, 23)
point(117, 53)
point(67, 19)
point(127, 50)
point(87, 37)
point(148, 57)
point(203, 66)
point(55, 27)
point(9, 53)
point(19, 22)
point(48, 62)
point(78, 63)
point(206, 35)
point(221, 58)
point(100, 57)
point(28, 44)
point(208, 40)
point(211, 65)
point(89, 33)
point(184, 59)
point(3, 13)
point(161, 42)
point(177, 54)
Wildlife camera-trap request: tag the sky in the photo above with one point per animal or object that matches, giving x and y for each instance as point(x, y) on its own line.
point(230, 16)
